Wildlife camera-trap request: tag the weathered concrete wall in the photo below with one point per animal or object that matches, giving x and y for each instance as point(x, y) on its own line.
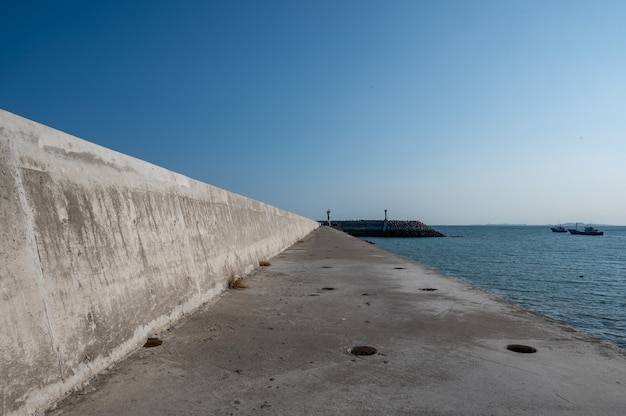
point(98, 250)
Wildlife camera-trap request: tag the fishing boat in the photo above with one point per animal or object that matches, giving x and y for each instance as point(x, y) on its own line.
point(558, 229)
point(588, 230)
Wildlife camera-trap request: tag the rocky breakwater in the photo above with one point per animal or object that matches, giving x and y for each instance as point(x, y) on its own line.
point(395, 228)
point(387, 228)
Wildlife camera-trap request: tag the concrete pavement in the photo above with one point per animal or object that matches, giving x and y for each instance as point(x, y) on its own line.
point(283, 347)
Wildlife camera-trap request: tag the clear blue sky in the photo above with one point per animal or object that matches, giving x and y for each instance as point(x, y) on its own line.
point(449, 112)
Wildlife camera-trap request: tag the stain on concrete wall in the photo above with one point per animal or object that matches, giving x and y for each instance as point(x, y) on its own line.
point(101, 249)
point(26, 348)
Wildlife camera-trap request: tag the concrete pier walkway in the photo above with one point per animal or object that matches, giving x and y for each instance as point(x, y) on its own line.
point(283, 347)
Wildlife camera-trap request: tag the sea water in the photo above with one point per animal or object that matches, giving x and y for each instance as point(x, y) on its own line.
point(579, 280)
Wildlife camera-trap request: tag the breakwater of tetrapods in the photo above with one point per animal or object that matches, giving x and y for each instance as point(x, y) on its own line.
point(386, 228)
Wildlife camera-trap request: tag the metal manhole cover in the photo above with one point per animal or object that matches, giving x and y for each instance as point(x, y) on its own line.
point(525, 349)
point(362, 350)
point(153, 342)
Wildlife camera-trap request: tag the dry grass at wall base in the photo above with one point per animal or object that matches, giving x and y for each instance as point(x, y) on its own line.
point(235, 282)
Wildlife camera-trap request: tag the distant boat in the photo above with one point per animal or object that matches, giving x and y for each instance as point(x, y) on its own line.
point(558, 229)
point(588, 230)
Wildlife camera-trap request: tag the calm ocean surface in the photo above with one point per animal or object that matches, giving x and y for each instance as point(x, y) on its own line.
point(579, 280)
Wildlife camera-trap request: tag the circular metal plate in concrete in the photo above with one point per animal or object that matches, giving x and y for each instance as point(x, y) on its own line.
point(153, 342)
point(524, 349)
point(362, 350)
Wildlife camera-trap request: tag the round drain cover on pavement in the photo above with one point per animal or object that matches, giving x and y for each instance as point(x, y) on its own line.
point(153, 342)
point(525, 349)
point(362, 350)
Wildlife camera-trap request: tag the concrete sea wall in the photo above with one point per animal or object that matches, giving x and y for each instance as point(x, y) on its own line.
point(99, 250)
